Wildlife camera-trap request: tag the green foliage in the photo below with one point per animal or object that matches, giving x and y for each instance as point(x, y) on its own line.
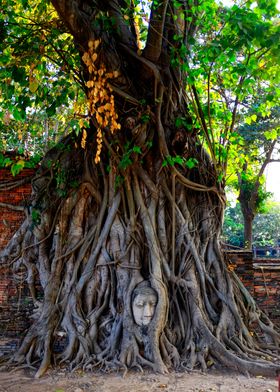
point(119, 181)
point(17, 167)
point(61, 181)
point(229, 66)
point(5, 161)
point(248, 186)
point(233, 57)
point(18, 162)
point(39, 77)
point(233, 226)
point(171, 161)
point(36, 216)
point(183, 122)
point(128, 156)
point(266, 226)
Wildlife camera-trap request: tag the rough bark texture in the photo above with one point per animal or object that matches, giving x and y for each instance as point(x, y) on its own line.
point(248, 218)
point(97, 230)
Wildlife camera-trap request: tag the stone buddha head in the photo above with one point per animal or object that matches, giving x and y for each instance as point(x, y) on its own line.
point(144, 301)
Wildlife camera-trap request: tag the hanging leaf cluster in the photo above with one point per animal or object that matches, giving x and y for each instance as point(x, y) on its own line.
point(101, 101)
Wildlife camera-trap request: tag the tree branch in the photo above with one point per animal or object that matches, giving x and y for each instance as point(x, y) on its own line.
point(76, 20)
point(153, 47)
point(273, 160)
point(12, 207)
point(79, 17)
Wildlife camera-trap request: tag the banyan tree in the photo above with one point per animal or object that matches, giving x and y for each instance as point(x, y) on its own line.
point(126, 245)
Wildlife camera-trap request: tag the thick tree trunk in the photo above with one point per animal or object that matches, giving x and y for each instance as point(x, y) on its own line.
point(135, 236)
point(248, 231)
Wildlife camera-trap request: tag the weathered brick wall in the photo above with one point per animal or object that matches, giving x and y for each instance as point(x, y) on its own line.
point(267, 287)
point(242, 262)
point(261, 277)
point(10, 220)
point(15, 302)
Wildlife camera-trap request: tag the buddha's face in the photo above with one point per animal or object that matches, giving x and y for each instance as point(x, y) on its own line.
point(143, 307)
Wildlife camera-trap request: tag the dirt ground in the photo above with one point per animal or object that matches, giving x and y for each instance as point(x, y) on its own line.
point(61, 381)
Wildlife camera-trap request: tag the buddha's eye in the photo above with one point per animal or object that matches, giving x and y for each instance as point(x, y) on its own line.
point(139, 304)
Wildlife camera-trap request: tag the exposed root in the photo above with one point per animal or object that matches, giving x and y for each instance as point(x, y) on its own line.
point(97, 250)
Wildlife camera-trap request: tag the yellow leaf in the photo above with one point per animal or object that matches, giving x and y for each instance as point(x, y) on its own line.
point(90, 83)
point(98, 118)
point(96, 43)
point(126, 17)
point(85, 57)
point(33, 86)
point(94, 57)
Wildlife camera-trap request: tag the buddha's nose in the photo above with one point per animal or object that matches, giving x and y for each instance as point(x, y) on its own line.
point(148, 310)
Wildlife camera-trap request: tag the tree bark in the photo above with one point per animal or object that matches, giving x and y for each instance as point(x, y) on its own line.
point(248, 231)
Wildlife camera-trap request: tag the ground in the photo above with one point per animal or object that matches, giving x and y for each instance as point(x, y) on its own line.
point(61, 381)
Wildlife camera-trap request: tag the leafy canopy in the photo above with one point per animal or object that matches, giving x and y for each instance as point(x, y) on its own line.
point(233, 54)
point(40, 79)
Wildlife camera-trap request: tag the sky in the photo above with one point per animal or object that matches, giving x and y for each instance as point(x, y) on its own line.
point(273, 180)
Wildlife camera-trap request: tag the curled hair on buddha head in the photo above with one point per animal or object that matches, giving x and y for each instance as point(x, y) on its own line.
point(144, 287)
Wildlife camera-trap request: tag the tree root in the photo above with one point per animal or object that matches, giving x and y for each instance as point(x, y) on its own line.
point(93, 255)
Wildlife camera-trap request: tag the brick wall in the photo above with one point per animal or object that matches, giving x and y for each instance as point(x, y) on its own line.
point(242, 262)
point(261, 277)
point(10, 220)
point(15, 303)
point(267, 287)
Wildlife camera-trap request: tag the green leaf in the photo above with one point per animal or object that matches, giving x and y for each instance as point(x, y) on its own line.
point(18, 74)
point(137, 149)
point(178, 160)
point(271, 134)
point(248, 120)
point(254, 117)
point(191, 163)
point(33, 86)
point(17, 167)
point(18, 113)
point(51, 110)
